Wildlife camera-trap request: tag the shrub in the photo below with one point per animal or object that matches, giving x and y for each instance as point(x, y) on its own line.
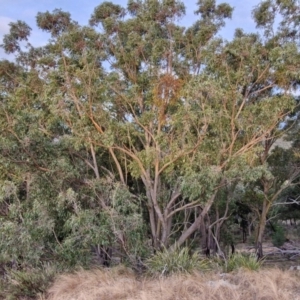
point(168, 262)
point(27, 283)
point(278, 237)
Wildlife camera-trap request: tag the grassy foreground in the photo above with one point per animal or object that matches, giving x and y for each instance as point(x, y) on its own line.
point(120, 283)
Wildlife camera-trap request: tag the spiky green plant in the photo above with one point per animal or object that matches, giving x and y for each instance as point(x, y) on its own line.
point(244, 261)
point(178, 260)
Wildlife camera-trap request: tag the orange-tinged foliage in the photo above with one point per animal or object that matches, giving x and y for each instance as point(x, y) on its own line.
point(166, 93)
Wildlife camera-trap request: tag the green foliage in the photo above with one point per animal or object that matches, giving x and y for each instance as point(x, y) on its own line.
point(265, 16)
point(278, 237)
point(200, 185)
point(19, 31)
point(244, 261)
point(25, 229)
point(55, 23)
point(27, 283)
point(179, 260)
point(66, 227)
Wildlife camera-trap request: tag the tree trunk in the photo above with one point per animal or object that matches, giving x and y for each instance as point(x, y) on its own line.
point(187, 233)
point(152, 218)
point(261, 229)
point(204, 238)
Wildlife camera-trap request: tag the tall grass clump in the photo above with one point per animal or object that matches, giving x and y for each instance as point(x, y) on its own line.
point(178, 260)
point(270, 284)
point(242, 261)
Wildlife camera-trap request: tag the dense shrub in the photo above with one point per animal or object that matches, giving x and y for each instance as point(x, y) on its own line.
point(278, 237)
point(29, 283)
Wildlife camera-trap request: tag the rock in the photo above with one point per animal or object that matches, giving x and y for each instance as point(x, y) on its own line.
point(294, 268)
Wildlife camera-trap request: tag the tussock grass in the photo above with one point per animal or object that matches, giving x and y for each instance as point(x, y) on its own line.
point(179, 260)
point(242, 261)
point(115, 284)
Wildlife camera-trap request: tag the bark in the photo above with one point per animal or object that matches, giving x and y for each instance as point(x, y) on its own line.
point(204, 238)
point(153, 226)
point(261, 229)
point(196, 225)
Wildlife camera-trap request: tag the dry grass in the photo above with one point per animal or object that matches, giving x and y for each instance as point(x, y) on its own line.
point(272, 284)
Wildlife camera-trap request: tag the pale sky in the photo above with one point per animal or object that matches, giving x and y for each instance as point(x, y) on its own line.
point(81, 10)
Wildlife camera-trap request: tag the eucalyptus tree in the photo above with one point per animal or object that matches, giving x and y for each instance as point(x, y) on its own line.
point(253, 96)
point(136, 110)
point(176, 109)
point(48, 197)
point(49, 200)
point(278, 19)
